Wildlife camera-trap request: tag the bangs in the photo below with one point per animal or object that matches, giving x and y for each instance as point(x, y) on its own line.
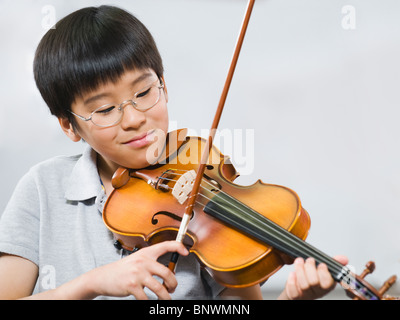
point(88, 48)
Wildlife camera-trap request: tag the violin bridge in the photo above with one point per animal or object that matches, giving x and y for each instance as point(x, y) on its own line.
point(184, 186)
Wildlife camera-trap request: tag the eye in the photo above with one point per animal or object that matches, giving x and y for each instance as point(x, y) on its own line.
point(106, 110)
point(143, 93)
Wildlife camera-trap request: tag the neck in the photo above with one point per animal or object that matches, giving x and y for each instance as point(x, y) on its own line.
point(106, 171)
point(238, 215)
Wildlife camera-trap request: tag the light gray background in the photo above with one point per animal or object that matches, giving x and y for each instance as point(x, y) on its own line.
point(321, 102)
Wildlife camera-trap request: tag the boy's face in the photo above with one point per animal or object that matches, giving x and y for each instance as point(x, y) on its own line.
point(127, 142)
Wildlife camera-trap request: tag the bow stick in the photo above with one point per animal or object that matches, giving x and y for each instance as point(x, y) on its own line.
point(196, 185)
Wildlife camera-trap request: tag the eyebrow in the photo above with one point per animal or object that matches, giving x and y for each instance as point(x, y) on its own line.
point(107, 94)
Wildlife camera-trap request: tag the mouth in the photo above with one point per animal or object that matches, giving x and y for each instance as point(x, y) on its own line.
point(141, 140)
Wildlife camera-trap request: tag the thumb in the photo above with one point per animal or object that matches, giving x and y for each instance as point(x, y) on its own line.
point(342, 259)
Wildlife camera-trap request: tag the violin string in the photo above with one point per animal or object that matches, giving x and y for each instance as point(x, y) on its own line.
point(290, 240)
point(287, 237)
point(334, 266)
point(339, 271)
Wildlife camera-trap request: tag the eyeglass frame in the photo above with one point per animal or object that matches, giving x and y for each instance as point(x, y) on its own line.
point(122, 105)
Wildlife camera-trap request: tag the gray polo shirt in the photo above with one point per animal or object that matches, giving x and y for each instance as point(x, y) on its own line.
point(54, 219)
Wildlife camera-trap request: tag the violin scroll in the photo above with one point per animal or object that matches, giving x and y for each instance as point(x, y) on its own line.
point(356, 294)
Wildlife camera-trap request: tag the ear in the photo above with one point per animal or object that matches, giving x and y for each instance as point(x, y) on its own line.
point(68, 129)
point(165, 89)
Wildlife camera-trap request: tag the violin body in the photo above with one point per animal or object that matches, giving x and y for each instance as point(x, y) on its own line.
point(142, 210)
point(240, 234)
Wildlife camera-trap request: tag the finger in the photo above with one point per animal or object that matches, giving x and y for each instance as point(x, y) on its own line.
point(155, 286)
point(301, 277)
point(292, 291)
point(325, 278)
point(139, 293)
point(167, 276)
point(168, 246)
point(311, 273)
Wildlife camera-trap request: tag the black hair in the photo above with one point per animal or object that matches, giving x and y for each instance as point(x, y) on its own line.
point(87, 48)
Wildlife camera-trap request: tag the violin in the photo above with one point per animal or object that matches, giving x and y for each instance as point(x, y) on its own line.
point(241, 234)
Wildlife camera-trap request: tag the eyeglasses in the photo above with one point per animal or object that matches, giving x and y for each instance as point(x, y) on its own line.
point(110, 114)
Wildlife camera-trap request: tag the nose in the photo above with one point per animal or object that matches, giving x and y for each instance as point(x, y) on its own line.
point(131, 117)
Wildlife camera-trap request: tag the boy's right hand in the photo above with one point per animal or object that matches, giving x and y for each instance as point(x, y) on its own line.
point(131, 274)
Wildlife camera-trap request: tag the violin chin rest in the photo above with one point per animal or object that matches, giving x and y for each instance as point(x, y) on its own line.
point(120, 177)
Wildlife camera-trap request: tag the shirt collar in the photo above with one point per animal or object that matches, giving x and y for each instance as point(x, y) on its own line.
point(84, 182)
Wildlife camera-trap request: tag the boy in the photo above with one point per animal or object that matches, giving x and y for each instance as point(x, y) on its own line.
point(53, 242)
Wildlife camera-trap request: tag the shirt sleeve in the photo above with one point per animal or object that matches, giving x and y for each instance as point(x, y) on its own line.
point(213, 289)
point(20, 222)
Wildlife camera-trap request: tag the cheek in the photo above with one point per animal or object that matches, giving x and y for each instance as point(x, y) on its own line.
point(100, 138)
point(159, 117)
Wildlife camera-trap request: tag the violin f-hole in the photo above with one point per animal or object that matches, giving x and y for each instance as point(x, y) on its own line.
point(154, 221)
point(213, 183)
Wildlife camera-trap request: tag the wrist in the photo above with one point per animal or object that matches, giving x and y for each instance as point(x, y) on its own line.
point(81, 288)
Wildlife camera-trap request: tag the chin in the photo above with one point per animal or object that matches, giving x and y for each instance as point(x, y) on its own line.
point(138, 162)
point(139, 165)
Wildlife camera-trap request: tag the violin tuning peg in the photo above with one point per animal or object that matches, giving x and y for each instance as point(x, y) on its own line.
point(388, 283)
point(369, 268)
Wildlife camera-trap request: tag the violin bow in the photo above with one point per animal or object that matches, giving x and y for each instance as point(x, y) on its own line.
point(196, 185)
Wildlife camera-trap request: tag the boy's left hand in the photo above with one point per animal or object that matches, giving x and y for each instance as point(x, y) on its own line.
point(309, 281)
